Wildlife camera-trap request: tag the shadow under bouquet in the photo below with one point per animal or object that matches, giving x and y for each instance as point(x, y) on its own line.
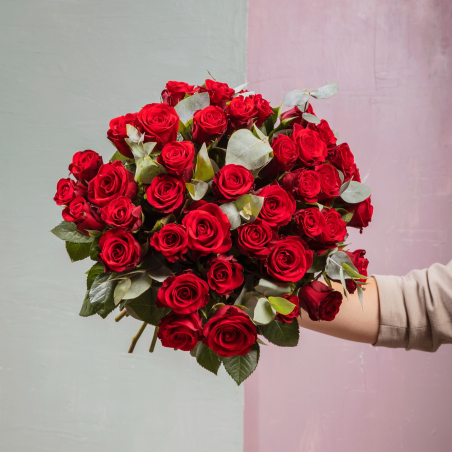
point(215, 219)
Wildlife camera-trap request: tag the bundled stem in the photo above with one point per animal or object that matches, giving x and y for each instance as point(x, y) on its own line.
point(121, 315)
point(136, 337)
point(154, 340)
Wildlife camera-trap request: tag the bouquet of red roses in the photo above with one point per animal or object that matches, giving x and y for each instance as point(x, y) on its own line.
point(215, 219)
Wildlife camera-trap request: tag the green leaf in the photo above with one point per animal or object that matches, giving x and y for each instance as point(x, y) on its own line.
point(272, 288)
point(78, 251)
point(149, 147)
point(87, 308)
point(139, 284)
point(147, 169)
point(156, 268)
point(160, 223)
point(263, 312)
point(186, 108)
point(197, 189)
point(101, 294)
point(247, 150)
point(93, 272)
point(121, 289)
point(68, 231)
point(347, 216)
point(195, 350)
point(318, 263)
point(207, 358)
point(281, 305)
point(334, 264)
point(204, 171)
point(250, 204)
point(282, 334)
point(144, 308)
point(241, 367)
point(230, 210)
point(118, 156)
point(296, 97)
point(344, 285)
point(356, 192)
point(325, 91)
point(341, 175)
point(352, 273)
point(311, 118)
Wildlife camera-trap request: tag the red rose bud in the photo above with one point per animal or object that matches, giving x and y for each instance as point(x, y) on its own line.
point(242, 113)
point(67, 190)
point(219, 93)
point(363, 214)
point(263, 109)
point(255, 239)
point(361, 263)
point(230, 332)
point(342, 158)
point(208, 124)
point(335, 229)
point(231, 182)
point(171, 241)
point(122, 214)
point(304, 184)
point(119, 251)
point(330, 182)
point(111, 182)
point(320, 301)
point(85, 216)
point(224, 274)
point(85, 165)
point(118, 132)
point(184, 294)
point(159, 123)
point(310, 222)
point(208, 230)
point(174, 92)
point(285, 155)
point(166, 193)
point(177, 157)
point(279, 205)
point(289, 259)
point(296, 113)
point(311, 149)
point(288, 318)
point(181, 332)
point(326, 134)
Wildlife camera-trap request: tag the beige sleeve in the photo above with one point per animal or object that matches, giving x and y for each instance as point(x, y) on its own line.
point(416, 309)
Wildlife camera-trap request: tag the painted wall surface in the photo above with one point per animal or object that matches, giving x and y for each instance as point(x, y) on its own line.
point(393, 63)
point(67, 383)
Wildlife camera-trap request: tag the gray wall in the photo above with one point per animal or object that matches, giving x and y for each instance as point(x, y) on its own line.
point(67, 383)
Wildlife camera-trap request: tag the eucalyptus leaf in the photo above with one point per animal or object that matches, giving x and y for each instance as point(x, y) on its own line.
point(344, 186)
point(139, 284)
point(207, 358)
point(121, 289)
point(204, 171)
point(341, 176)
point(187, 107)
point(325, 91)
point(68, 231)
point(230, 210)
point(318, 263)
point(281, 333)
point(311, 118)
point(255, 203)
point(272, 288)
point(281, 305)
point(156, 268)
point(149, 147)
point(247, 150)
point(334, 264)
point(240, 87)
point(144, 308)
point(263, 312)
point(241, 367)
point(134, 135)
point(356, 192)
point(296, 97)
point(347, 216)
point(197, 189)
point(352, 273)
point(341, 277)
point(78, 251)
point(147, 169)
point(118, 156)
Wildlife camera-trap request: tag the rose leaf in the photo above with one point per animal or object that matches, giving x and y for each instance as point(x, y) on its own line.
point(281, 333)
point(241, 367)
point(207, 358)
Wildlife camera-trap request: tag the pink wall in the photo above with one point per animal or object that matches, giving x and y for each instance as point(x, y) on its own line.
point(393, 63)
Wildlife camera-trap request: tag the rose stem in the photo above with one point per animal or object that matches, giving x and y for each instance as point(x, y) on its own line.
point(136, 337)
point(154, 340)
point(121, 315)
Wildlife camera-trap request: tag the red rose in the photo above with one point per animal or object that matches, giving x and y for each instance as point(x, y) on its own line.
point(285, 155)
point(241, 112)
point(119, 251)
point(219, 93)
point(184, 294)
point(330, 182)
point(224, 274)
point(159, 122)
point(255, 239)
point(118, 132)
point(208, 230)
point(122, 214)
point(85, 216)
point(320, 301)
point(296, 113)
point(311, 149)
point(342, 158)
point(230, 332)
point(180, 332)
point(263, 109)
point(326, 134)
point(278, 207)
point(310, 221)
point(177, 157)
point(166, 193)
point(363, 214)
point(85, 165)
point(335, 228)
point(303, 183)
point(174, 92)
point(354, 173)
point(67, 190)
point(208, 124)
point(171, 241)
point(361, 263)
point(289, 259)
point(111, 182)
point(231, 182)
point(294, 314)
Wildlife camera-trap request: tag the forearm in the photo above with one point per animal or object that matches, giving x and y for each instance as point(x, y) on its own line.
point(353, 322)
